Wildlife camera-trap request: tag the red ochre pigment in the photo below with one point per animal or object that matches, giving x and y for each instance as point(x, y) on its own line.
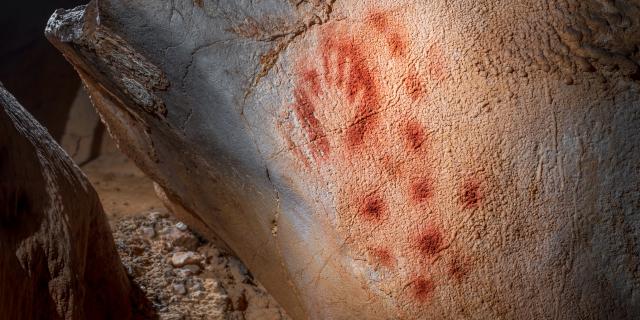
point(379, 21)
point(414, 135)
point(421, 190)
point(422, 289)
point(429, 241)
point(372, 208)
point(396, 44)
point(458, 268)
point(470, 194)
point(308, 87)
point(347, 67)
point(382, 256)
point(436, 63)
point(394, 34)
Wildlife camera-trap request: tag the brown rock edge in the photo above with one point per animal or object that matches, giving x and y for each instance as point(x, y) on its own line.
point(57, 255)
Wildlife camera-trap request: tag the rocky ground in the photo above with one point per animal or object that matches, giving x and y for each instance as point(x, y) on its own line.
point(182, 275)
point(185, 277)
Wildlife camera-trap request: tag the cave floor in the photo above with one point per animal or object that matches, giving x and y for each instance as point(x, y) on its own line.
point(182, 275)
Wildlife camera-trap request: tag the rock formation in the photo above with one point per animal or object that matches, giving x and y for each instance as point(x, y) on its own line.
point(388, 159)
point(57, 256)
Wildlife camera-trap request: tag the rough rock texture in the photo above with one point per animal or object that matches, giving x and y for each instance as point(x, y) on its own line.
point(414, 159)
point(57, 255)
point(213, 286)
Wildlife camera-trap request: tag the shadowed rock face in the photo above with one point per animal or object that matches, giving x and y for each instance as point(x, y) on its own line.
point(57, 256)
point(376, 159)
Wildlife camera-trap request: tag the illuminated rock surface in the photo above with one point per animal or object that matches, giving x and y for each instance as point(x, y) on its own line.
point(376, 159)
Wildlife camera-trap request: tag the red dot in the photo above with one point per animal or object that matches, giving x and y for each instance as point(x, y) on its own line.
point(421, 190)
point(414, 135)
point(372, 207)
point(379, 21)
point(470, 194)
point(382, 256)
point(396, 44)
point(458, 269)
point(422, 289)
point(430, 241)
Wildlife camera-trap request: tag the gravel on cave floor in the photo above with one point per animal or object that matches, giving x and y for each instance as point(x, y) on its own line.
point(185, 277)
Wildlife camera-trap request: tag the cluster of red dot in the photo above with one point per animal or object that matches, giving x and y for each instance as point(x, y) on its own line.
point(345, 66)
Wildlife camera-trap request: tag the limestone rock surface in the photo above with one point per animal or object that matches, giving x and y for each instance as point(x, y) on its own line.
point(388, 159)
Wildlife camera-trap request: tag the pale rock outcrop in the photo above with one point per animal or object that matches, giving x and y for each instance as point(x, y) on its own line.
point(388, 159)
